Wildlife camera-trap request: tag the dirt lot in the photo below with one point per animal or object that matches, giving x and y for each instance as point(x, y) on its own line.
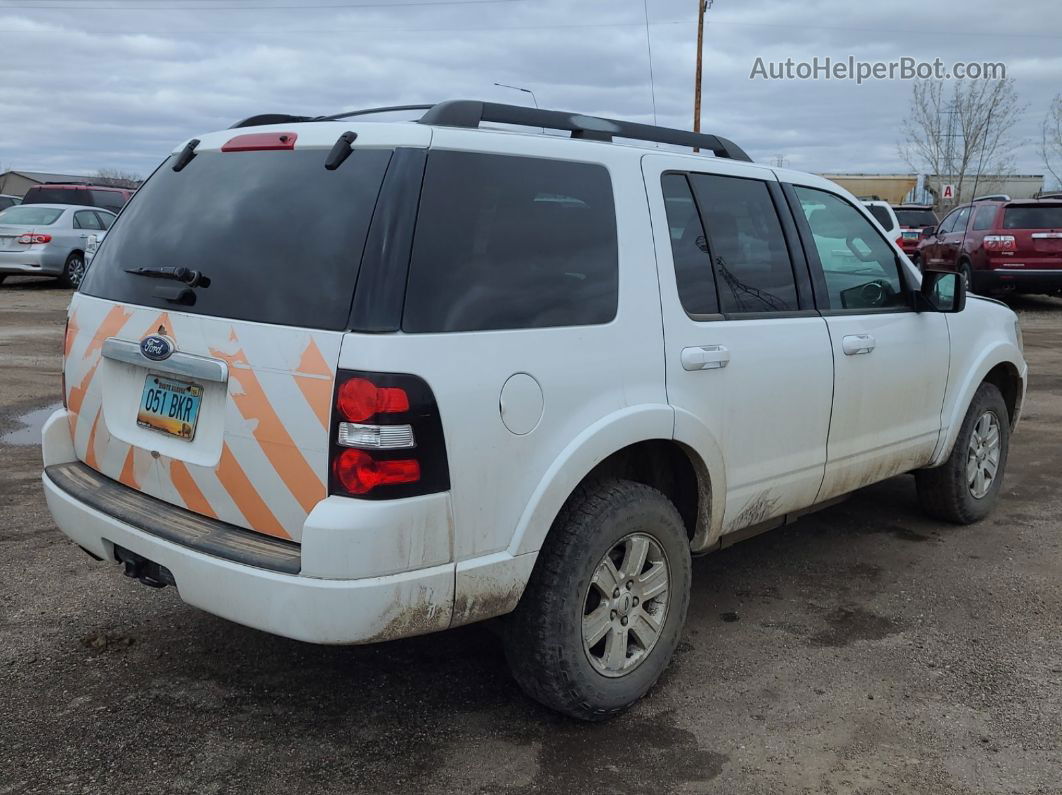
point(863, 649)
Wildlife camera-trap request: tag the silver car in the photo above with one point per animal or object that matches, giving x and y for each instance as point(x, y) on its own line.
point(49, 239)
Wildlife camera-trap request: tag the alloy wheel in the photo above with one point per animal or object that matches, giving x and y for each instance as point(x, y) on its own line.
point(982, 459)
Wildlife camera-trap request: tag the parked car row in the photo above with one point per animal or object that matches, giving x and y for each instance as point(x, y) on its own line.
point(50, 239)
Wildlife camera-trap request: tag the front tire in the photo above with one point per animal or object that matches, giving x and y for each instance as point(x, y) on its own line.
point(73, 270)
point(965, 489)
point(606, 603)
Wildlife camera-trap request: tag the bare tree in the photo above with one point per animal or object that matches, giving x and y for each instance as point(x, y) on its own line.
point(1051, 140)
point(117, 178)
point(963, 133)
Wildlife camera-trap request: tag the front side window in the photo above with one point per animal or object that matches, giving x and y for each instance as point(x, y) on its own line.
point(749, 254)
point(693, 267)
point(507, 242)
point(962, 216)
point(860, 267)
point(948, 223)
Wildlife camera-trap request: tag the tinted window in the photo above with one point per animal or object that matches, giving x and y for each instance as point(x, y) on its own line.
point(86, 219)
point(106, 219)
point(746, 243)
point(1048, 217)
point(881, 215)
point(693, 267)
point(916, 218)
point(29, 215)
point(985, 217)
point(278, 235)
point(860, 267)
point(511, 242)
point(44, 195)
point(6, 201)
point(960, 220)
point(108, 199)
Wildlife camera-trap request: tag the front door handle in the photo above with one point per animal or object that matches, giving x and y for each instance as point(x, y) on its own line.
point(705, 357)
point(855, 344)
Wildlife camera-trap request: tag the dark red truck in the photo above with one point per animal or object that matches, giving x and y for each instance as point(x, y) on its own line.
point(1000, 245)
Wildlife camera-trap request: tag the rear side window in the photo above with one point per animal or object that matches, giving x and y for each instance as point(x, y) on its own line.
point(1049, 217)
point(86, 219)
point(107, 199)
point(689, 249)
point(106, 219)
point(511, 242)
point(747, 246)
point(279, 236)
point(46, 195)
point(984, 218)
point(881, 215)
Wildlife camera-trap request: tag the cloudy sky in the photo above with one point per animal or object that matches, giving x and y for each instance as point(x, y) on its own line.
point(91, 84)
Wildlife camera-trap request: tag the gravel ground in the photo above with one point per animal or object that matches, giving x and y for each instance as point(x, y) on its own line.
point(863, 649)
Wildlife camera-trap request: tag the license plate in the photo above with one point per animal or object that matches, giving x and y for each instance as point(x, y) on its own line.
point(170, 405)
point(910, 235)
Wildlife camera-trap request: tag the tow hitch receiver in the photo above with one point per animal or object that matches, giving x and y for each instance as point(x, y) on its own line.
point(140, 568)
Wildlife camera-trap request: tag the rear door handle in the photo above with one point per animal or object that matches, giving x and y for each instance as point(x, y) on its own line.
point(705, 357)
point(855, 344)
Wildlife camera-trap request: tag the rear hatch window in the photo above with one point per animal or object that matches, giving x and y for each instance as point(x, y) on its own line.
point(915, 218)
point(57, 196)
point(279, 237)
point(1033, 217)
point(30, 216)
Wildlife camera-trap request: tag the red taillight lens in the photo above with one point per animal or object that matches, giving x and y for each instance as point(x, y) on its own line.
point(1000, 243)
point(359, 473)
point(359, 399)
point(32, 239)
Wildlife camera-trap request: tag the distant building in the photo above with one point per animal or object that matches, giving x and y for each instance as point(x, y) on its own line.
point(926, 188)
point(16, 183)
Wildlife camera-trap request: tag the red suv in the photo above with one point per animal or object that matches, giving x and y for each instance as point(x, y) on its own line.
point(913, 218)
point(1000, 245)
point(108, 198)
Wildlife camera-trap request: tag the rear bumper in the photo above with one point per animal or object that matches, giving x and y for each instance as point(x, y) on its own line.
point(303, 608)
point(1017, 280)
point(31, 261)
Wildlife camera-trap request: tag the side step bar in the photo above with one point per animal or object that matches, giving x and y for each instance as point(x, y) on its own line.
point(181, 526)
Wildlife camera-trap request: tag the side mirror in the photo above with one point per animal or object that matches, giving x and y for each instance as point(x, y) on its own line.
point(942, 291)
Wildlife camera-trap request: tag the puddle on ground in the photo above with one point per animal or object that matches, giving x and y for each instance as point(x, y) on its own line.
point(30, 424)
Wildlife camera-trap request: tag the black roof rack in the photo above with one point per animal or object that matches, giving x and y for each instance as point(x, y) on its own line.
point(471, 113)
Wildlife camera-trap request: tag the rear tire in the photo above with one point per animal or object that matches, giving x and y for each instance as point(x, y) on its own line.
point(965, 488)
point(587, 639)
point(967, 274)
point(73, 270)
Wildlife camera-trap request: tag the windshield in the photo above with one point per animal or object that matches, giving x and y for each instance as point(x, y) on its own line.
point(881, 215)
point(1040, 217)
point(915, 218)
point(279, 236)
point(22, 215)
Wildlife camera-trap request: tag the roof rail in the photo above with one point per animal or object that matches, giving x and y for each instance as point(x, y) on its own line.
point(470, 113)
point(992, 197)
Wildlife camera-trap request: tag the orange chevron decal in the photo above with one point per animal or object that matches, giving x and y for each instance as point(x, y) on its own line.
point(191, 495)
point(317, 391)
point(111, 325)
point(90, 453)
point(128, 475)
point(77, 397)
point(269, 431)
point(71, 334)
point(162, 320)
point(243, 493)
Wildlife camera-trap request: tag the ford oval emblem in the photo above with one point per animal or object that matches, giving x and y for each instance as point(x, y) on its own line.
point(156, 348)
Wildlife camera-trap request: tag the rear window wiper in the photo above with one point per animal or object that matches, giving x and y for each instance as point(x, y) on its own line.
point(179, 274)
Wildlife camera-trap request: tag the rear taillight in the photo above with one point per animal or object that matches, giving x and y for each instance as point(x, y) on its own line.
point(386, 437)
point(999, 243)
point(899, 240)
point(33, 239)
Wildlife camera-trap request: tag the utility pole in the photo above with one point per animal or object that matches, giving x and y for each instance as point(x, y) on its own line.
point(702, 6)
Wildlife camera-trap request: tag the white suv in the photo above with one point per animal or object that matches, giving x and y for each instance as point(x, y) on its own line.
point(353, 381)
point(886, 216)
